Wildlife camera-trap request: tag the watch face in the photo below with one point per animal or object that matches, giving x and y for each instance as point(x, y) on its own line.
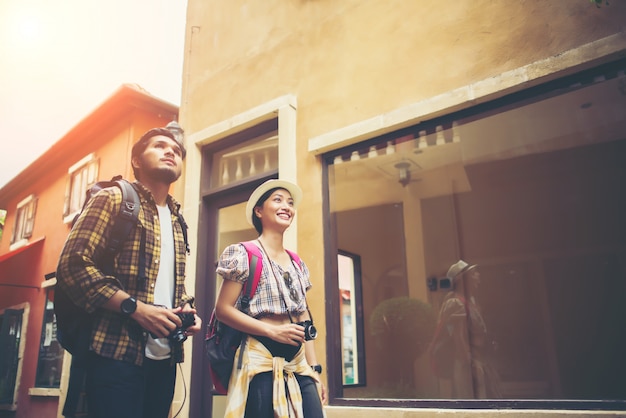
point(128, 306)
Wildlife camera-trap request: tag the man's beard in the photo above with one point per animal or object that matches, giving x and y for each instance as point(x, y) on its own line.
point(164, 175)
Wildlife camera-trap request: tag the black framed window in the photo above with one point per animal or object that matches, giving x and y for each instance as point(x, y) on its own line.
point(50, 362)
point(10, 345)
point(529, 191)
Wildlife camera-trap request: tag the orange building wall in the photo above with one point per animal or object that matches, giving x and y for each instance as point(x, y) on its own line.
point(46, 178)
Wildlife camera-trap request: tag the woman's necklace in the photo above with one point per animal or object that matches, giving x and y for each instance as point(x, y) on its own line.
point(273, 258)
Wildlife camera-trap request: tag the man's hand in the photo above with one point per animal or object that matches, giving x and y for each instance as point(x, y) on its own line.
point(157, 320)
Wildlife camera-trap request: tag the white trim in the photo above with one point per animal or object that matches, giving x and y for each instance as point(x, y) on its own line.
point(69, 218)
point(284, 108)
point(85, 160)
point(585, 56)
point(26, 201)
point(18, 244)
point(241, 121)
point(49, 283)
point(46, 392)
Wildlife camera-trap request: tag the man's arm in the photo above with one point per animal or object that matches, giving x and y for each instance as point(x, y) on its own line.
point(77, 272)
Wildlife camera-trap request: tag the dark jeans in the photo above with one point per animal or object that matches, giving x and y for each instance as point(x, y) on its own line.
point(123, 390)
point(260, 397)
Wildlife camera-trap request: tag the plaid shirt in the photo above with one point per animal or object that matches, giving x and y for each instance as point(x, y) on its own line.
point(272, 294)
point(113, 334)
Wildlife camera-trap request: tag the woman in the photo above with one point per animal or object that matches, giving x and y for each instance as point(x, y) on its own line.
point(280, 373)
point(473, 376)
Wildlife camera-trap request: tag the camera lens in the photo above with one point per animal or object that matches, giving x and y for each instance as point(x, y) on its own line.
point(311, 333)
point(178, 335)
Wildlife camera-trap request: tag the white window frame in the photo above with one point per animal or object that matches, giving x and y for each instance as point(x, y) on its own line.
point(82, 175)
point(24, 222)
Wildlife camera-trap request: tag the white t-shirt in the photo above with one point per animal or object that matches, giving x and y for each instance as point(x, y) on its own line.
point(159, 348)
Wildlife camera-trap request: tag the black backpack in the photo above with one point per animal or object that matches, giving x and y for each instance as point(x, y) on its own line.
point(73, 324)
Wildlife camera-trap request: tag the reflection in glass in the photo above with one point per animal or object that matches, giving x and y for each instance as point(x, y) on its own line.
point(534, 194)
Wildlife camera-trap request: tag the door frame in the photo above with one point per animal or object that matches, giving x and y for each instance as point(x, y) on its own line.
point(201, 386)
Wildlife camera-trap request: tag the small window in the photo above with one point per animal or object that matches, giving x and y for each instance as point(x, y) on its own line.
point(10, 354)
point(50, 351)
point(83, 175)
point(24, 219)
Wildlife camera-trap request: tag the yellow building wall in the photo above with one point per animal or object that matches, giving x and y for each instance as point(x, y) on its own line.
point(349, 61)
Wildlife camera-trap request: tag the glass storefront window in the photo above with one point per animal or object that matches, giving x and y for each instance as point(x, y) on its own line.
point(530, 193)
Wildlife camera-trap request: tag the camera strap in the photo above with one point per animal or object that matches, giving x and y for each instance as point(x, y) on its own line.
point(282, 296)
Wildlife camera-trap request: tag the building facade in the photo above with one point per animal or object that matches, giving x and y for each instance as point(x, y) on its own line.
point(41, 203)
point(424, 133)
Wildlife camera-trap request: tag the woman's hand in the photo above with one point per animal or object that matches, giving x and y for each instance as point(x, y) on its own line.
point(292, 334)
point(324, 394)
point(197, 325)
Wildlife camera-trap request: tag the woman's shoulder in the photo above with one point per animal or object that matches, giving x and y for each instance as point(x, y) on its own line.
point(233, 263)
point(233, 251)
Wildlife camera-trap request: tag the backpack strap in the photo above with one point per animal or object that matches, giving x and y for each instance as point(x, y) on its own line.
point(125, 220)
point(295, 257)
point(254, 256)
point(184, 227)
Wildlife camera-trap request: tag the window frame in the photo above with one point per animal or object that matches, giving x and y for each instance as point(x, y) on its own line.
point(48, 336)
point(24, 222)
point(334, 360)
point(23, 310)
point(85, 172)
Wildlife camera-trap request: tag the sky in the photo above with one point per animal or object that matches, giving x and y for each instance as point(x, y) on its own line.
point(59, 60)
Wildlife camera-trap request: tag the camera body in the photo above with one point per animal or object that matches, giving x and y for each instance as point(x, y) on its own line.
point(178, 335)
point(310, 332)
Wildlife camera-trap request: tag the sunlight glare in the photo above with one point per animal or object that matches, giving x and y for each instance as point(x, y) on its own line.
point(29, 29)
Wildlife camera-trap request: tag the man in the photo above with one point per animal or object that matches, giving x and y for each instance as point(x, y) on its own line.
point(131, 366)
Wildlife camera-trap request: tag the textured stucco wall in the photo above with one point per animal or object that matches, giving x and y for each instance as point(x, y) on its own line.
point(346, 61)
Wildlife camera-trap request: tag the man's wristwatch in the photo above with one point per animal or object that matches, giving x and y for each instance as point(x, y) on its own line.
point(128, 306)
point(317, 368)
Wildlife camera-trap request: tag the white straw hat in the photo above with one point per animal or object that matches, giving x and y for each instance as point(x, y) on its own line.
point(292, 188)
point(458, 268)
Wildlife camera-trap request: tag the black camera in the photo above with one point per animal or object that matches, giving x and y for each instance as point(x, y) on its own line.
point(310, 332)
point(178, 335)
